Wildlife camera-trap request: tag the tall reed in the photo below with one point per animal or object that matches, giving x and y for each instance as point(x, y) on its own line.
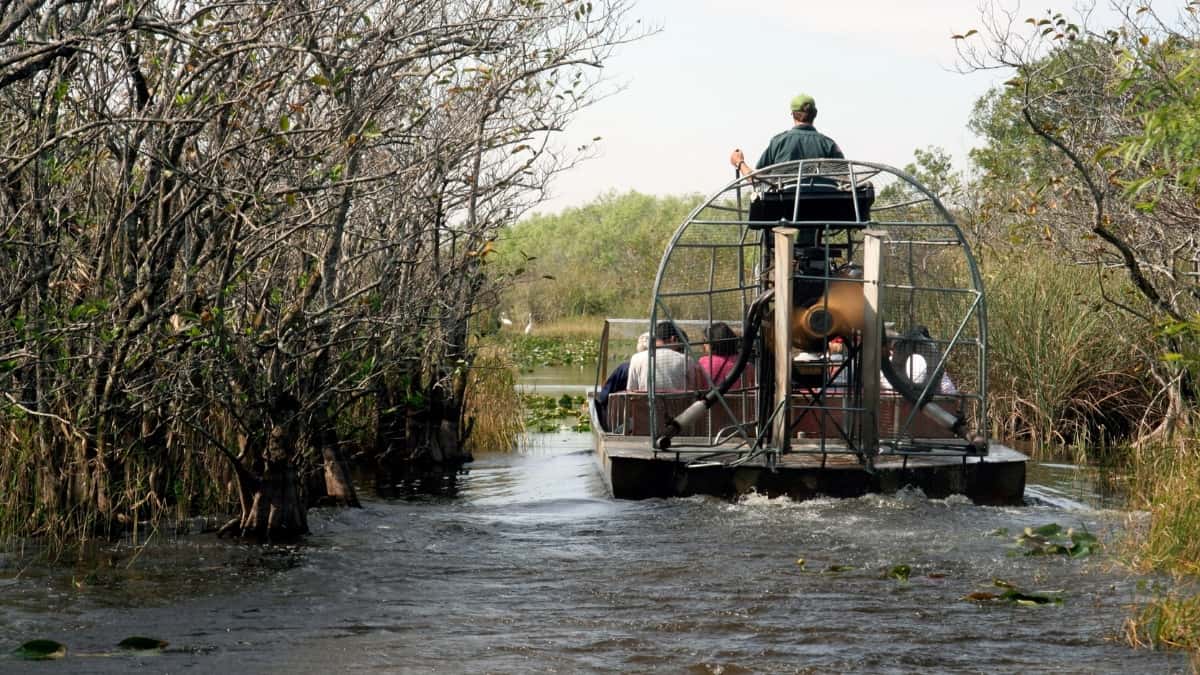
point(1063, 364)
point(1165, 482)
point(492, 401)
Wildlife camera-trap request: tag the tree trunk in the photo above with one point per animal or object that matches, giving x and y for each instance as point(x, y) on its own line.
point(272, 500)
point(1175, 418)
point(272, 506)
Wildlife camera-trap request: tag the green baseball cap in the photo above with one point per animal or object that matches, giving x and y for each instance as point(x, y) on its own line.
point(802, 100)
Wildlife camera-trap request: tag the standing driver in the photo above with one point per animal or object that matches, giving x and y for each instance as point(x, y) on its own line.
point(802, 141)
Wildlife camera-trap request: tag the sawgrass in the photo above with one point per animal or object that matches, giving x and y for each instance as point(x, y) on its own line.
point(579, 327)
point(1172, 620)
point(492, 401)
point(1165, 482)
point(1063, 366)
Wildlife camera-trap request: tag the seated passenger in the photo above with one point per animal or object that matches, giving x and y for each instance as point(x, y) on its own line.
point(720, 356)
point(908, 352)
point(616, 382)
point(915, 367)
point(673, 370)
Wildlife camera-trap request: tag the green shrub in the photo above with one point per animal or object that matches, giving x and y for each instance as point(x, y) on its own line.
point(599, 258)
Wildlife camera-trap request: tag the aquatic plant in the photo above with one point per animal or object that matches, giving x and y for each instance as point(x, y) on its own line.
point(534, 351)
point(546, 413)
point(1052, 539)
point(142, 644)
point(1011, 595)
point(1164, 482)
point(41, 650)
point(1171, 620)
point(1060, 361)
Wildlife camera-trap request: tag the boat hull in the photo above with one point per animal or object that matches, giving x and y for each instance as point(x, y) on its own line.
point(632, 470)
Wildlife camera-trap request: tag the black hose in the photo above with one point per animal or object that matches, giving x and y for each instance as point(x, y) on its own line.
point(955, 423)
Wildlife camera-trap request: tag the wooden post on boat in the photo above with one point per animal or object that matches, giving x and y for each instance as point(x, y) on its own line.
point(872, 341)
point(785, 240)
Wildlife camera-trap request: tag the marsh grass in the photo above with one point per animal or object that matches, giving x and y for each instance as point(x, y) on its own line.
point(1172, 620)
point(492, 401)
point(153, 491)
point(1062, 362)
point(577, 327)
point(1165, 482)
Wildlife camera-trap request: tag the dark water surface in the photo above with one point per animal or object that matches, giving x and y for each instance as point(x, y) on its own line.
point(531, 568)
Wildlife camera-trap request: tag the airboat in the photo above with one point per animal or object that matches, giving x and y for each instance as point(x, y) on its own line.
point(859, 354)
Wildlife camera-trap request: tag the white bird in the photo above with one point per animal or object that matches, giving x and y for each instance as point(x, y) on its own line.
point(529, 324)
point(505, 320)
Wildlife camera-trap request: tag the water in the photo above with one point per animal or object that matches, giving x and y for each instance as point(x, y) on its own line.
point(559, 380)
point(530, 567)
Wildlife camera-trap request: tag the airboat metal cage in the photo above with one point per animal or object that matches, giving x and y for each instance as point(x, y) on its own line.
point(851, 224)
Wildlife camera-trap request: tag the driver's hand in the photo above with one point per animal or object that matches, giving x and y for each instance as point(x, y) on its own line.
point(736, 158)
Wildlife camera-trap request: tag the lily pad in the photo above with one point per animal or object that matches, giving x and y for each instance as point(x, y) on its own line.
point(1083, 543)
point(899, 572)
point(837, 569)
point(1052, 539)
point(1014, 596)
point(1030, 599)
point(41, 650)
point(1047, 530)
point(142, 644)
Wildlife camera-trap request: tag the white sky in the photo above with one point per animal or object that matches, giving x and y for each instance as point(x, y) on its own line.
point(721, 73)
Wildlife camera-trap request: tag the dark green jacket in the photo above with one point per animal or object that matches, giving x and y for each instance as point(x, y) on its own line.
point(802, 141)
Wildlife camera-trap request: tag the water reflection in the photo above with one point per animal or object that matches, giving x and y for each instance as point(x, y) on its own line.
point(1068, 486)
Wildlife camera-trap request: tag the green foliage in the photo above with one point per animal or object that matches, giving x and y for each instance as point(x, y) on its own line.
point(597, 259)
point(934, 168)
point(899, 572)
point(1171, 620)
point(1164, 79)
point(1185, 336)
point(1164, 483)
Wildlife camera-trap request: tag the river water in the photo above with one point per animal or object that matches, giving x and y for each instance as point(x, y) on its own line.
point(524, 564)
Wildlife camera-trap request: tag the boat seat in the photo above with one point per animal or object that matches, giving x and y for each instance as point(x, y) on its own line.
point(629, 412)
point(629, 415)
point(893, 411)
point(813, 202)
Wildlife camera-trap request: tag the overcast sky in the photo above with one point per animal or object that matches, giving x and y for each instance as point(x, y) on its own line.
point(720, 75)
